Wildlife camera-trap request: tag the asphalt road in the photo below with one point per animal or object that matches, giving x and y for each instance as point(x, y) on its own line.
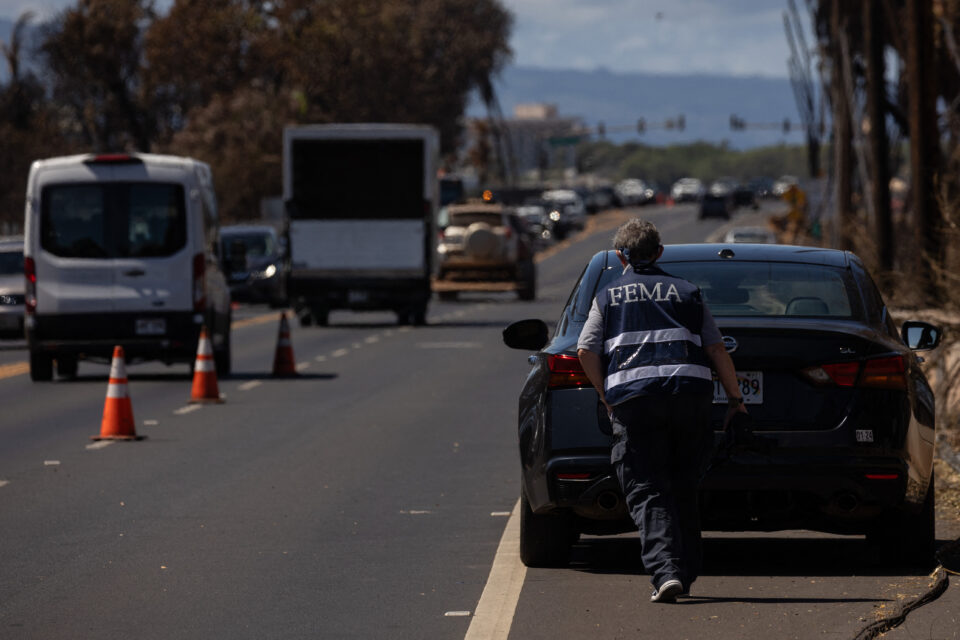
point(366, 498)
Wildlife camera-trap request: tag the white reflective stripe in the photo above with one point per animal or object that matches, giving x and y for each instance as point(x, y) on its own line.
point(662, 371)
point(117, 370)
point(205, 348)
point(656, 335)
point(203, 366)
point(116, 391)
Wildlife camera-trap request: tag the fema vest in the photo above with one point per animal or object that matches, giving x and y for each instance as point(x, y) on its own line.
point(652, 345)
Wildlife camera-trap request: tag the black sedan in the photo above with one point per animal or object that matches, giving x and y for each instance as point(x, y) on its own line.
point(842, 415)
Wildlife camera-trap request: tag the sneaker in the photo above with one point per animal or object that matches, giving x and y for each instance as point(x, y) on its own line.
point(667, 592)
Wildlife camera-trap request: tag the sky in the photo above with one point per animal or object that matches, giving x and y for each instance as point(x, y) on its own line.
point(734, 37)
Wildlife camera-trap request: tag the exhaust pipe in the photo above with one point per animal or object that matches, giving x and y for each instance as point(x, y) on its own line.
point(608, 500)
point(846, 502)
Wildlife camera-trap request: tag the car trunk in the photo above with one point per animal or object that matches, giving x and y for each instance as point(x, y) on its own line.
point(771, 365)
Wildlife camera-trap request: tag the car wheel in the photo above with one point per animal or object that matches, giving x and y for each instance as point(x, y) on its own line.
point(306, 319)
point(545, 540)
point(909, 537)
point(321, 317)
point(67, 366)
point(41, 367)
point(419, 316)
point(448, 296)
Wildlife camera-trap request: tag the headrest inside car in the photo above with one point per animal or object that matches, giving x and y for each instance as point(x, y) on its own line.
point(726, 296)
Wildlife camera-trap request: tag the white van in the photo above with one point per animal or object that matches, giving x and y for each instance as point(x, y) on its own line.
point(122, 249)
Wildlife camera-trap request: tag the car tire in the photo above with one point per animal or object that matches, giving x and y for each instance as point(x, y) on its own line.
point(545, 540)
point(221, 357)
point(67, 366)
point(41, 367)
point(448, 296)
point(908, 537)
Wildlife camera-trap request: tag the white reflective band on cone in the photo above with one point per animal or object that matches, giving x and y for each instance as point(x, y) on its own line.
point(205, 348)
point(117, 390)
point(204, 366)
point(117, 370)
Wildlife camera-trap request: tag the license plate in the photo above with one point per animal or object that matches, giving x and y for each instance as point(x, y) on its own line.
point(151, 326)
point(751, 387)
point(357, 296)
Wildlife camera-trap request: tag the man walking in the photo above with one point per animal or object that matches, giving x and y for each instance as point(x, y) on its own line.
point(647, 346)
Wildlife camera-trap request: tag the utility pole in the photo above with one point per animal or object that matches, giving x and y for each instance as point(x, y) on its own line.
point(842, 135)
point(924, 141)
point(873, 36)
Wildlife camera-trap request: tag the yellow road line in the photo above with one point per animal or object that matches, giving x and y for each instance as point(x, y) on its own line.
point(14, 369)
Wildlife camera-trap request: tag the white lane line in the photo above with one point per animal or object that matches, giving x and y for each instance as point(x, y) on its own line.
point(449, 345)
point(500, 514)
point(405, 329)
point(372, 339)
point(356, 345)
point(4, 483)
point(494, 614)
point(320, 358)
point(100, 444)
point(339, 353)
point(151, 423)
point(456, 614)
point(253, 384)
point(187, 409)
point(51, 463)
point(302, 365)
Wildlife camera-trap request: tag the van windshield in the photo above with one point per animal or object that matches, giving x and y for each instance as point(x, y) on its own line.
point(113, 220)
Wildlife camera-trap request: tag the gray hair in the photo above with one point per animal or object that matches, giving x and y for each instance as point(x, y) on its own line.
point(640, 238)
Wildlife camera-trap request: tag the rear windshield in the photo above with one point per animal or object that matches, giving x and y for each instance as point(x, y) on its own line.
point(767, 289)
point(466, 218)
point(11, 263)
point(113, 220)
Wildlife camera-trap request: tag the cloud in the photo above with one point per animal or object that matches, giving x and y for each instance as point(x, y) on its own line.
point(742, 37)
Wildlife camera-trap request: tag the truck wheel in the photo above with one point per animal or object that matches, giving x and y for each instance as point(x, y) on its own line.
point(41, 367)
point(67, 366)
point(321, 317)
point(448, 296)
point(305, 318)
point(419, 316)
point(545, 540)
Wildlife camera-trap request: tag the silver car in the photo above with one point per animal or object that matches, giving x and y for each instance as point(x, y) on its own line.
point(12, 287)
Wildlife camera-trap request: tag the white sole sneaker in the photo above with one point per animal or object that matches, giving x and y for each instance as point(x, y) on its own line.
point(667, 592)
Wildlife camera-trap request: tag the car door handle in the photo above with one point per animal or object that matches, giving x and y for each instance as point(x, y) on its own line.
point(135, 272)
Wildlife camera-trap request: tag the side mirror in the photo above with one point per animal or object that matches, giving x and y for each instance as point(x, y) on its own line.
point(920, 336)
point(529, 335)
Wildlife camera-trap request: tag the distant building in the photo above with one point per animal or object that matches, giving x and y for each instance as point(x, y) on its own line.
point(539, 139)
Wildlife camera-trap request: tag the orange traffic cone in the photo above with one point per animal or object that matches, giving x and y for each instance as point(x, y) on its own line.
point(117, 423)
point(283, 361)
point(205, 372)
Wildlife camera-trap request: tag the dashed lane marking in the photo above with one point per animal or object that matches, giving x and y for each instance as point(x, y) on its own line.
point(187, 409)
point(494, 613)
point(151, 423)
point(372, 339)
point(255, 320)
point(449, 345)
point(4, 483)
point(320, 358)
point(339, 353)
point(100, 444)
point(456, 614)
point(51, 463)
point(246, 386)
point(499, 514)
point(302, 365)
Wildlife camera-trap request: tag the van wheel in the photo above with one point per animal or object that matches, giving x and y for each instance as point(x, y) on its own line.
point(41, 367)
point(221, 358)
point(66, 367)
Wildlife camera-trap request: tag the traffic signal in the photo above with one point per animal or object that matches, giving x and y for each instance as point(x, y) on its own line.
point(641, 125)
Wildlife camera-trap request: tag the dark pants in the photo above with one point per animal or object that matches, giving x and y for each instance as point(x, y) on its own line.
point(662, 446)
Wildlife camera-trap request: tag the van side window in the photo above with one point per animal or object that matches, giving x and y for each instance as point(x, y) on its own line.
point(73, 221)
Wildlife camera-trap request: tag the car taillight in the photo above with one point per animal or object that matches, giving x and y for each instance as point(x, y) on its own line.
point(199, 283)
point(30, 273)
point(565, 371)
point(884, 373)
point(880, 373)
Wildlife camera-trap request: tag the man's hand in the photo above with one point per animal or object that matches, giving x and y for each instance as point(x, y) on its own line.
point(727, 374)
